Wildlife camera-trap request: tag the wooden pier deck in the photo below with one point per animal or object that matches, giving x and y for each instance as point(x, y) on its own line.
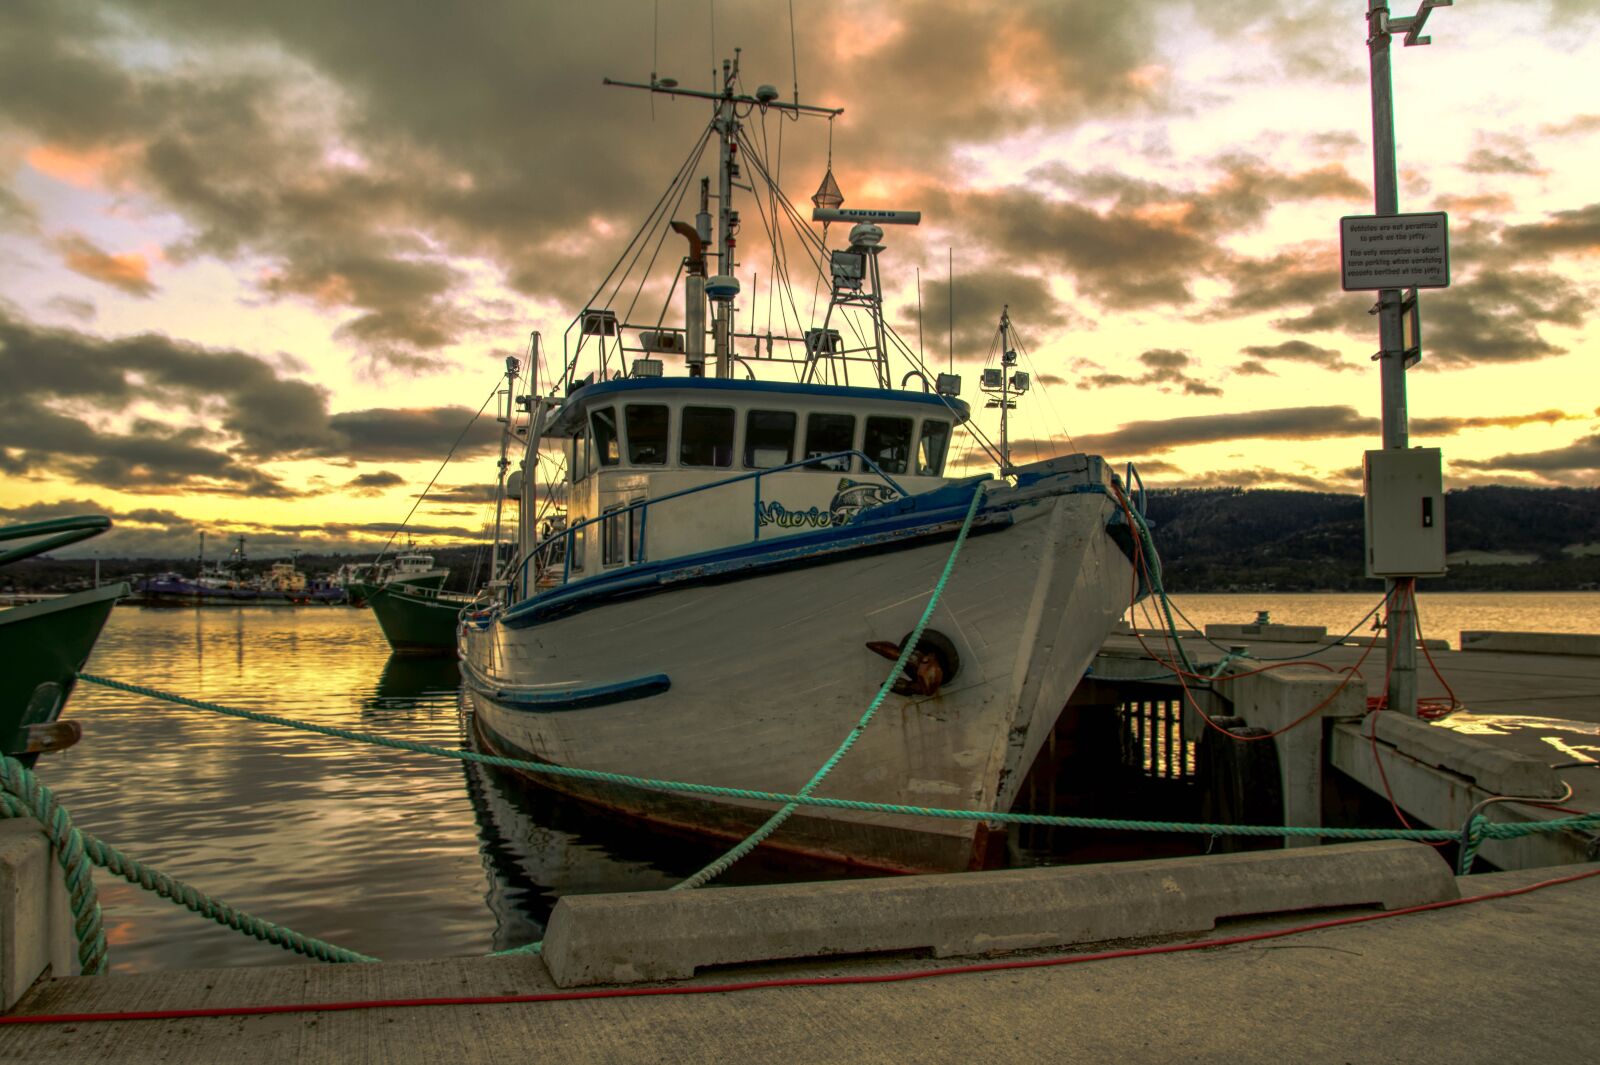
point(1530, 706)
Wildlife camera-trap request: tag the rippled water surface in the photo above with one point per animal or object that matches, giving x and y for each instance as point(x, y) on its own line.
point(394, 854)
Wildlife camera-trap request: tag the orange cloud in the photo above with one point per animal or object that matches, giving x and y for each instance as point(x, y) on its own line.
point(129, 271)
point(85, 169)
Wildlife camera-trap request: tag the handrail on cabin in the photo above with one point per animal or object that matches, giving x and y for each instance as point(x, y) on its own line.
point(569, 533)
point(61, 532)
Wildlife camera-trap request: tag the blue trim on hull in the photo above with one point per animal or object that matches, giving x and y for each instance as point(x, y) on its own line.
point(563, 699)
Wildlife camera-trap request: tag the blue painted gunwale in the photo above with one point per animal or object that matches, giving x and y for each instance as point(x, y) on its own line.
point(560, 700)
point(886, 526)
point(569, 417)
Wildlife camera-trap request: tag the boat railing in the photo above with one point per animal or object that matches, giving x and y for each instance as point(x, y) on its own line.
point(59, 532)
point(1135, 486)
point(568, 536)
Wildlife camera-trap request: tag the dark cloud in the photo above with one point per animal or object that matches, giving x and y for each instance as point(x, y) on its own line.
point(362, 157)
point(1131, 242)
point(1565, 231)
point(1445, 426)
point(465, 493)
point(159, 533)
point(1495, 317)
point(373, 484)
point(257, 415)
point(1252, 368)
point(1501, 154)
point(1492, 314)
point(1284, 423)
point(399, 435)
point(1295, 351)
point(979, 299)
point(1580, 457)
point(1163, 368)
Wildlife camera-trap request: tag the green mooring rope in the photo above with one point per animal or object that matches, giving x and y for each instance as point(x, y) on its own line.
point(25, 796)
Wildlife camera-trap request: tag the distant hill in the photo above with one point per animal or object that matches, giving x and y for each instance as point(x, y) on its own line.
point(1222, 539)
point(1210, 540)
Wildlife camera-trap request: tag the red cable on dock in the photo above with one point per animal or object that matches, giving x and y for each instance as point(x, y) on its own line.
point(756, 985)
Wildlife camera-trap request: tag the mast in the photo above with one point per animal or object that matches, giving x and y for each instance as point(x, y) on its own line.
point(723, 289)
point(506, 419)
point(1004, 384)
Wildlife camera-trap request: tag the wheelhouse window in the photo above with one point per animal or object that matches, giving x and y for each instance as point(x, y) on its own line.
point(707, 437)
point(935, 441)
point(607, 447)
point(581, 460)
point(613, 537)
point(647, 434)
point(576, 556)
point(888, 443)
point(829, 434)
point(768, 439)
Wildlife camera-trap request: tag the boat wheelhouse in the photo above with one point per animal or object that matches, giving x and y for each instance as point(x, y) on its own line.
point(783, 459)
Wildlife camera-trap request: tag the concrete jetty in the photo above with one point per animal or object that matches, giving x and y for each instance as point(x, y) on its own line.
point(1501, 980)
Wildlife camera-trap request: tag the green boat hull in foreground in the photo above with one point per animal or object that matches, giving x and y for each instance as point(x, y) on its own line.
point(417, 620)
point(44, 645)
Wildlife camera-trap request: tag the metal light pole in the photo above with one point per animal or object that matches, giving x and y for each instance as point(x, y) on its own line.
point(1399, 621)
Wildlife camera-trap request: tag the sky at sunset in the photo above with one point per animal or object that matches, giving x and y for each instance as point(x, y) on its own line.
point(260, 262)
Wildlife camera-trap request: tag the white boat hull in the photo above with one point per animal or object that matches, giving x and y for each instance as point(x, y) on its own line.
point(770, 671)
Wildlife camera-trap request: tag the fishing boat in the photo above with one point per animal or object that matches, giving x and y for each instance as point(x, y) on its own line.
point(740, 554)
point(44, 644)
point(411, 567)
point(230, 583)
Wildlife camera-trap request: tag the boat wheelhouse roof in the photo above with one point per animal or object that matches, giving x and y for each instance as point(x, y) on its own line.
point(569, 418)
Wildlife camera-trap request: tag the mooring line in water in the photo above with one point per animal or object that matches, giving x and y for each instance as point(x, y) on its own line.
point(1055, 961)
point(1492, 829)
point(75, 849)
point(1477, 830)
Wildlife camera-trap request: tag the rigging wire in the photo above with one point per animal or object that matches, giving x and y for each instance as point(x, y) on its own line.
point(448, 455)
point(688, 164)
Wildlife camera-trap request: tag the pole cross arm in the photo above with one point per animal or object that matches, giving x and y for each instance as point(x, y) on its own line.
point(1412, 27)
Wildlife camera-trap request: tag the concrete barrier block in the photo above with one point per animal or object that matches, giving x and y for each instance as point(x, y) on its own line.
point(658, 935)
point(35, 916)
point(1532, 643)
point(1494, 769)
point(1276, 701)
point(1272, 633)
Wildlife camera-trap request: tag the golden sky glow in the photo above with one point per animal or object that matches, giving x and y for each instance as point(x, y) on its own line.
point(259, 262)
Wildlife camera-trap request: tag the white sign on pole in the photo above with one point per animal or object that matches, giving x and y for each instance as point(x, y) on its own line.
point(1394, 251)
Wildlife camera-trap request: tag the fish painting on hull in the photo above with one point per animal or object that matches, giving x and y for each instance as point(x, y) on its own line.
point(851, 499)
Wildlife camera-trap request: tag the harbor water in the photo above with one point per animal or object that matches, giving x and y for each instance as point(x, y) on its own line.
point(400, 855)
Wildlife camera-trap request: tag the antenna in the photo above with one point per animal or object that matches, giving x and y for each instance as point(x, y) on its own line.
point(951, 293)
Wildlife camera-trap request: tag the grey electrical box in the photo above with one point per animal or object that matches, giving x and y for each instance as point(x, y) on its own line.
point(1405, 513)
